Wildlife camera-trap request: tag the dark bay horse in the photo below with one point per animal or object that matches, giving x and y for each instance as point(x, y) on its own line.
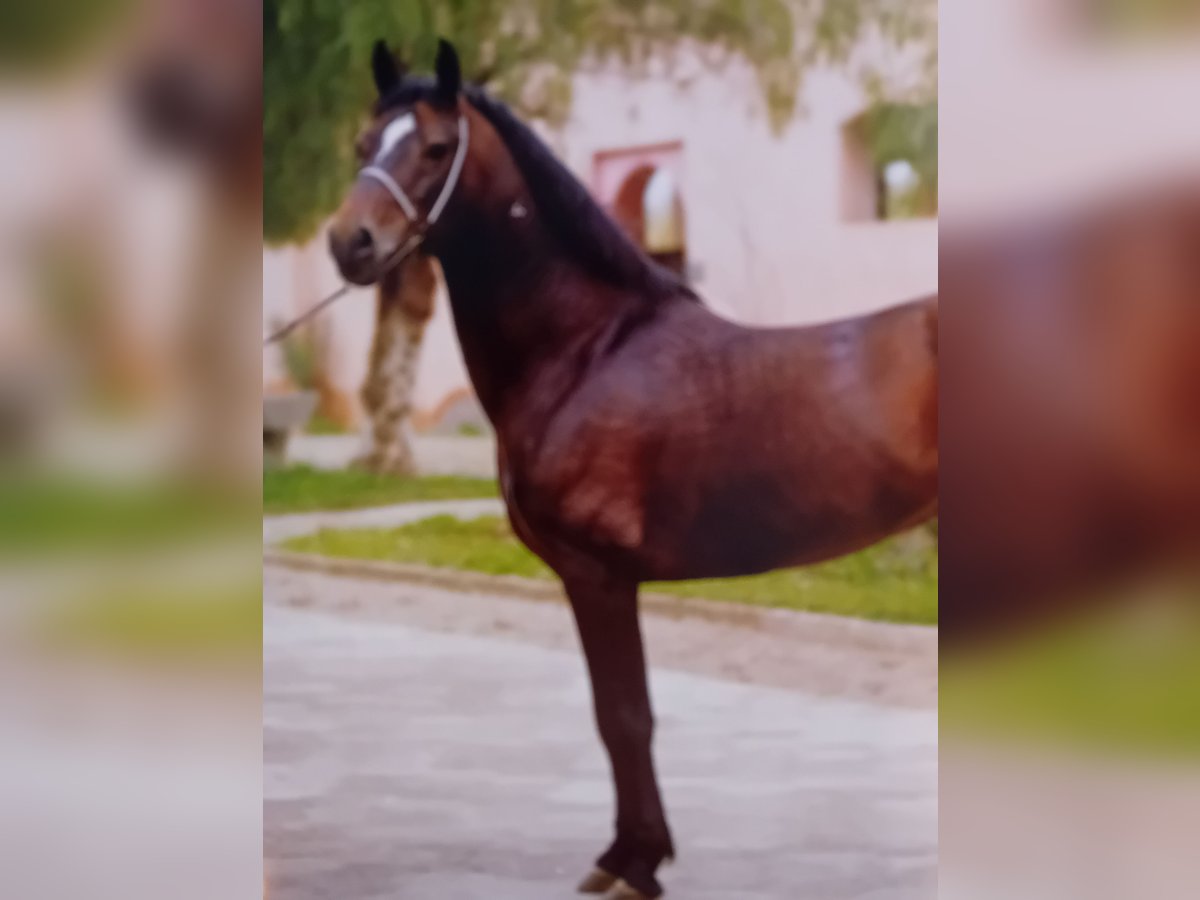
point(641, 437)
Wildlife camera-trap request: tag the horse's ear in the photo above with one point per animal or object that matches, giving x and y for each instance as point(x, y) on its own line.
point(449, 72)
point(387, 71)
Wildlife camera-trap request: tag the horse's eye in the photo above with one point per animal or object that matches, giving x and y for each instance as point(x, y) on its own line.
point(437, 151)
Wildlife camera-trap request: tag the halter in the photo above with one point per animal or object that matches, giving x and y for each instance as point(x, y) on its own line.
point(410, 211)
point(402, 199)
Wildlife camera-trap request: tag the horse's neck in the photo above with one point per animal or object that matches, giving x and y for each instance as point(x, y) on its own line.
point(523, 310)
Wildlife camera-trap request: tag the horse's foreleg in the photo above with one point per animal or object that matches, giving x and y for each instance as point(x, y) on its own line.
point(607, 617)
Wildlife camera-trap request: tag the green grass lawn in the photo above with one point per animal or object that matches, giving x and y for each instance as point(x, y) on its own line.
point(304, 489)
point(895, 581)
point(45, 515)
point(1126, 681)
point(166, 621)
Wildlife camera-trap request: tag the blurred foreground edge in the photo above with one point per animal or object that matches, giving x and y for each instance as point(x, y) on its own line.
point(1069, 409)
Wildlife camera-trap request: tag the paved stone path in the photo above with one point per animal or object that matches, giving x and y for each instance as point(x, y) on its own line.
point(437, 454)
point(280, 528)
point(407, 761)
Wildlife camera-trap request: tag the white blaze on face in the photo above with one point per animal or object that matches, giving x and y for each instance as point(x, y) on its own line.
point(395, 132)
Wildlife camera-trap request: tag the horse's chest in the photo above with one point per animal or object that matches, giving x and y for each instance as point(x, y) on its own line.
point(522, 514)
point(587, 509)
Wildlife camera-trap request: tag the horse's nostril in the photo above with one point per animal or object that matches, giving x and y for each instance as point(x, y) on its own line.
point(361, 242)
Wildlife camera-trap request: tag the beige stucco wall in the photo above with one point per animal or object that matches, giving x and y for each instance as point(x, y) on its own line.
point(764, 211)
point(764, 215)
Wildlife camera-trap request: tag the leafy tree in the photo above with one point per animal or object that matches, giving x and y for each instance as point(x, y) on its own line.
point(316, 64)
point(36, 38)
point(908, 132)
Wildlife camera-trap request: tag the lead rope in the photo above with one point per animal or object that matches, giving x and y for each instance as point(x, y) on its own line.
point(409, 209)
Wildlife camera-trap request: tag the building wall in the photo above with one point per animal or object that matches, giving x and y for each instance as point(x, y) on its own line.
point(764, 212)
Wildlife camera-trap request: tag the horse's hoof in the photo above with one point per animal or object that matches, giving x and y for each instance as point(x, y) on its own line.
point(597, 882)
point(623, 891)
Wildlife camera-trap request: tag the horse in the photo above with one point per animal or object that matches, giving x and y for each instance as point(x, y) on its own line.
point(640, 436)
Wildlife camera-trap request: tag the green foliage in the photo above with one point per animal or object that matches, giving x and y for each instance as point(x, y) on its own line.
point(895, 581)
point(304, 488)
point(300, 359)
point(1126, 682)
point(1142, 18)
point(323, 425)
point(317, 84)
point(180, 624)
point(48, 515)
point(906, 131)
point(44, 34)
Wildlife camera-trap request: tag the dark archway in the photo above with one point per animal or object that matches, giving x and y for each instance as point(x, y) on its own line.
point(649, 207)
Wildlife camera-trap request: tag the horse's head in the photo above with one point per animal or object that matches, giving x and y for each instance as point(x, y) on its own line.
point(411, 155)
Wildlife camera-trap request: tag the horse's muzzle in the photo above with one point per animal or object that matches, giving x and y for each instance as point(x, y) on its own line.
point(355, 252)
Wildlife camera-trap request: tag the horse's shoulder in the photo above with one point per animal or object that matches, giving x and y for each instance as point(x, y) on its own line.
point(582, 474)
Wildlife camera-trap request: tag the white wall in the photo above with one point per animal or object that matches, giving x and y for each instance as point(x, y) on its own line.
point(764, 212)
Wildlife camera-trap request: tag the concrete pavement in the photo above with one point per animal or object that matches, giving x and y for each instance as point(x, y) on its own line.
point(410, 762)
point(280, 528)
point(437, 454)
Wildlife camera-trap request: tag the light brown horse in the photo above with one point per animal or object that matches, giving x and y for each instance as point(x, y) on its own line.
point(641, 437)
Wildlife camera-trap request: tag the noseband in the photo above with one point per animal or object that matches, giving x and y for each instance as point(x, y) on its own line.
point(405, 203)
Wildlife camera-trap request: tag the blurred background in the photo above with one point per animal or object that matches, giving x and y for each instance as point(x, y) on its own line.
point(130, 225)
point(1070, 515)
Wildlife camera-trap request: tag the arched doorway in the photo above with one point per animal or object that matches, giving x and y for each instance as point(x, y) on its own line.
point(641, 188)
point(650, 209)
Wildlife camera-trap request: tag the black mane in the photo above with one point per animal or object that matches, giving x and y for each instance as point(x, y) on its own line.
point(584, 229)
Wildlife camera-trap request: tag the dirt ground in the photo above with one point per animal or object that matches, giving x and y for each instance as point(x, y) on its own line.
point(893, 665)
